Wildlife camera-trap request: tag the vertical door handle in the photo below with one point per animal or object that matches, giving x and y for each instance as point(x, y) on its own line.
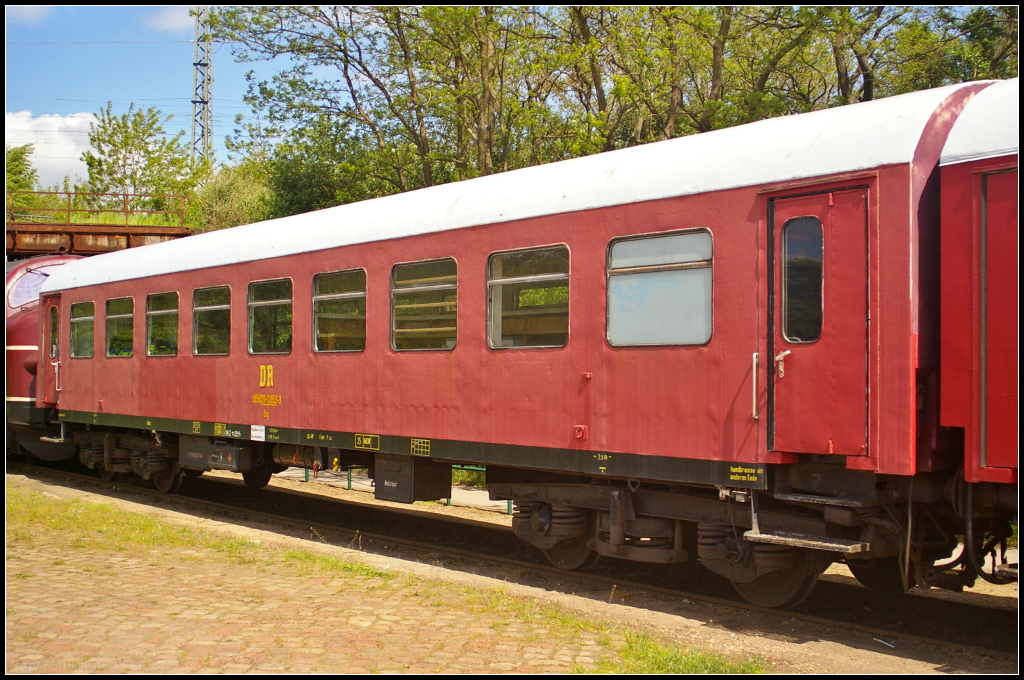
point(753, 381)
point(780, 359)
point(56, 376)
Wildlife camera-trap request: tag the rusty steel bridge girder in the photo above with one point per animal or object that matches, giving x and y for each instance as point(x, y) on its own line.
point(68, 222)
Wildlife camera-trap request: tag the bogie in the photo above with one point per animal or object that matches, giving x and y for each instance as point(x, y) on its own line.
point(784, 587)
point(258, 478)
point(168, 481)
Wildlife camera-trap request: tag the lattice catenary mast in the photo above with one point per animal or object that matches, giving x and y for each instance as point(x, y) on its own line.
point(202, 88)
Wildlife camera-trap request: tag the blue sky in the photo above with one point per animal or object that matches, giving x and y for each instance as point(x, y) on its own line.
point(64, 63)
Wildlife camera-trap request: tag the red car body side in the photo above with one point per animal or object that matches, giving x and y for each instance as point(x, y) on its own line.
point(980, 280)
point(676, 402)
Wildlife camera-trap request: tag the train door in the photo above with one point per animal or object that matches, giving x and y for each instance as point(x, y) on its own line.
point(818, 325)
point(999, 312)
point(50, 363)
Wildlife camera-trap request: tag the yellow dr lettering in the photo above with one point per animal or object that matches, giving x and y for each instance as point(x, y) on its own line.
point(266, 375)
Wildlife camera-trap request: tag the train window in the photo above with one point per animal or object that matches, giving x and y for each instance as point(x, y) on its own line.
point(25, 290)
point(659, 289)
point(270, 317)
point(802, 256)
point(528, 298)
point(54, 332)
point(424, 305)
point(83, 329)
point(120, 327)
point(339, 311)
point(211, 320)
point(162, 325)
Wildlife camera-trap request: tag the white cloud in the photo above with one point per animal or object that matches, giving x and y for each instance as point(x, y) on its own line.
point(26, 14)
point(59, 142)
point(171, 19)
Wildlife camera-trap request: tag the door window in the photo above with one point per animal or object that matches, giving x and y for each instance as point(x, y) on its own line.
point(802, 279)
point(53, 332)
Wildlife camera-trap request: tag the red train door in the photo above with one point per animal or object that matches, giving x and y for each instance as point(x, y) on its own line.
point(49, 362)
point(999, 402)
point(818, 325)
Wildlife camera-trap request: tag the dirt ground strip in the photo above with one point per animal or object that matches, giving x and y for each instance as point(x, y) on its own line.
point(175, 610)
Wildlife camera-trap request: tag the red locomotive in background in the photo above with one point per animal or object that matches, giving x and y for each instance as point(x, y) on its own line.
point(25, 422)
point(768, 348)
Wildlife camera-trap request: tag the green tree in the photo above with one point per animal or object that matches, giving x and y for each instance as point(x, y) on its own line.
point(885, 50)
point(21, 176)
point(948, 45)
point(132, 154)
point(434, 94)
point(380, 99)
point(306, 167)
point(315, 167)
point(233, 196)
point(685, 70)
point(990, 38)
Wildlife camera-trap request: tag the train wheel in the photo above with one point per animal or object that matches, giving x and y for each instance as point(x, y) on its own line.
point(258, 478)
point(169, 482)
point(571, 554)
point(884, 576)
point(105, 474)
point(783, 588)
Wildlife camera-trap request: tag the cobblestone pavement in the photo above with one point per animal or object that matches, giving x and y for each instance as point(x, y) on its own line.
point(256, 604)
point(164, 610)
point(72, 606)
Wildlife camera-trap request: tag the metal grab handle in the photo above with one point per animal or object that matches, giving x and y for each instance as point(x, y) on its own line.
point(753, 380)
point(781, 361)
point(56, 375)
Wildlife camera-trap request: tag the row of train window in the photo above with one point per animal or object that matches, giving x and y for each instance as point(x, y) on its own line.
point(659, 293)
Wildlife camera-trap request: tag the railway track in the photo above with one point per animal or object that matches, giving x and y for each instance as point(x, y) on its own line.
point(427, 536)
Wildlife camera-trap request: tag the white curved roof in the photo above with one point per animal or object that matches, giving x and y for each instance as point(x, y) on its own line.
point(843, 139)
point(989, 125)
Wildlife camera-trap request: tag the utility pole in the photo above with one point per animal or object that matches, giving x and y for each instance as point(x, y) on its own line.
point(202, 88)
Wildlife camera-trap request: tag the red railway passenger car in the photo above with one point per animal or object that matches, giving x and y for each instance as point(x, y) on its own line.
point(980, 296)
point(724, 347)
point(25, 422)
point(980, 283)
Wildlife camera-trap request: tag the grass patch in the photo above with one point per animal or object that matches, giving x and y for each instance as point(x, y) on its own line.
point(328, 563)
point(33, 517)
point(642, 655)
point(90, 525)
point(238, 550)
point(639, 654)
point(474, 478)
point(86, 525)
